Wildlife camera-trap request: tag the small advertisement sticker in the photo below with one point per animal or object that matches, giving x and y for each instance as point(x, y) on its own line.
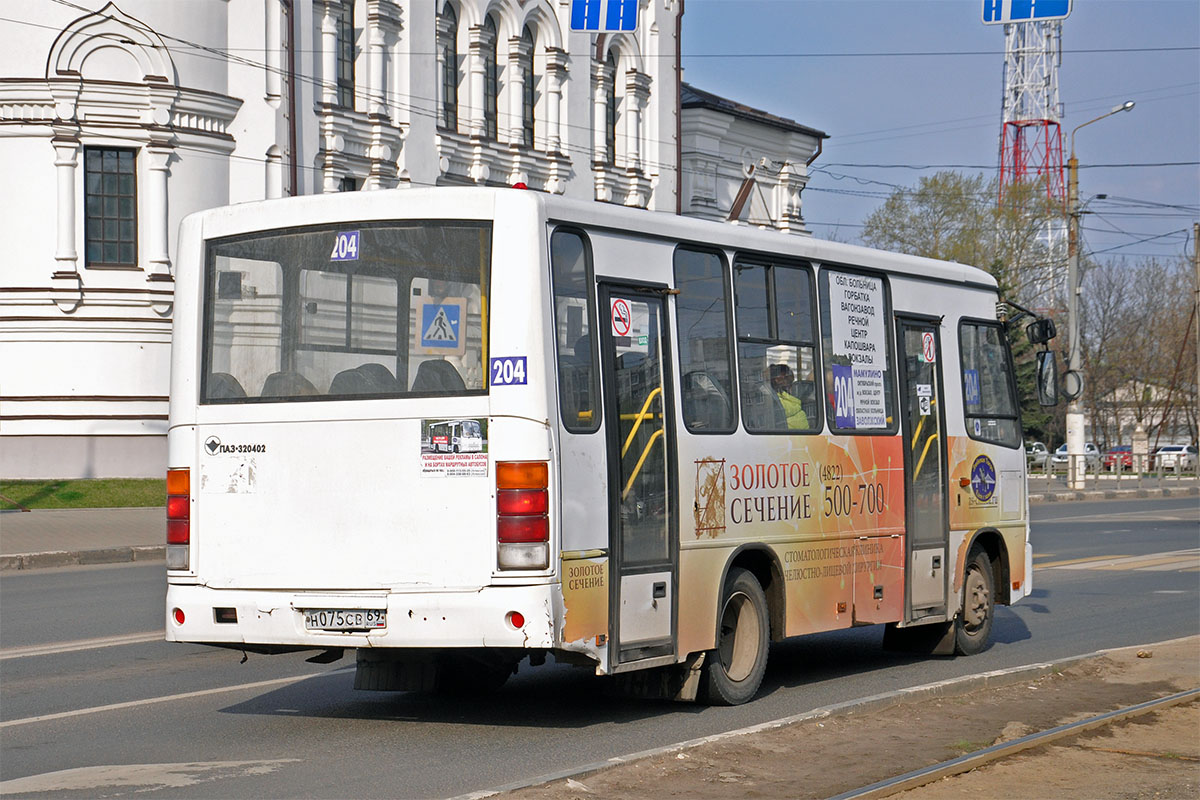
point(454, 448)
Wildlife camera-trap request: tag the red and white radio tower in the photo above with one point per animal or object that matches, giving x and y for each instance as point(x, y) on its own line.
point(1031, 136)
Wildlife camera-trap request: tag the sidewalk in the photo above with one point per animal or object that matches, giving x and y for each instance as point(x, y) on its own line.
point(69, 537)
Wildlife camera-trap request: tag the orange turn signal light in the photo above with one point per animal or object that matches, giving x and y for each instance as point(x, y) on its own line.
point(522, 475)
point(178, 481)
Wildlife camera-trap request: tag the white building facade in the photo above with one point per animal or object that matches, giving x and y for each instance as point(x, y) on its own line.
point(120, 119)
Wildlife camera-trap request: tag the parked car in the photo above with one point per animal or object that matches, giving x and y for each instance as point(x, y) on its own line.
point(1091, 455)
point(1121, 455)
point(1036, 455)
point(1176, 456)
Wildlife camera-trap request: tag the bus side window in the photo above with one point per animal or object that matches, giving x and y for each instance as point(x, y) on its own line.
point(702, 306)
point(776, 348)
point(856, 323)
point(578, 376)
point(989, 389)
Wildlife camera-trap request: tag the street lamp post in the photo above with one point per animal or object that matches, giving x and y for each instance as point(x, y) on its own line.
point(1075, 439)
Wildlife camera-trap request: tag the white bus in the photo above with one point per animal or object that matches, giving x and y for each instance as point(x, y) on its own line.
point(700, 438)
point(456, 436)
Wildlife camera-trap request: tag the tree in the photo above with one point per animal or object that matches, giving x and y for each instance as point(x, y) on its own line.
point(954, 217)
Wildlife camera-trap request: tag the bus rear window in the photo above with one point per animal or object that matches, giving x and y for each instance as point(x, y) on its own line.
point(346, 312)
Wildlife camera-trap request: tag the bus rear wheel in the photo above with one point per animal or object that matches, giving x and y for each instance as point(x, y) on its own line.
point(734, 671)
point(973, 625)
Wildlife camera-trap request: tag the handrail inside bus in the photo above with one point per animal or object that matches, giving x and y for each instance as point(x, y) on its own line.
point(638, 467)
point(640, 416)
point(928, 443)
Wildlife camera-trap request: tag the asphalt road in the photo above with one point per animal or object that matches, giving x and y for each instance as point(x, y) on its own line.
point(163, 720)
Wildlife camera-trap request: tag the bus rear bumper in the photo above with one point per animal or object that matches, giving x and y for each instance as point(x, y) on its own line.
point(476, 618)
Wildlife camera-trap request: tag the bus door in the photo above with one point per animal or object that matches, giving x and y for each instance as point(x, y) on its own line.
point(924, 466)
point(641, 472)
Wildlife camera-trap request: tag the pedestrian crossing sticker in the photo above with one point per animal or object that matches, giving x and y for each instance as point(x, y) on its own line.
point(441, 323)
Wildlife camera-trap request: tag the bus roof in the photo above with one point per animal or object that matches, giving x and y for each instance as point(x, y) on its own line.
point(480, 203)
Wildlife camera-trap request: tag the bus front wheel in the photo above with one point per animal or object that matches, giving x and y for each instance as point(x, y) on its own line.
point(734, 670)
point(973, 626)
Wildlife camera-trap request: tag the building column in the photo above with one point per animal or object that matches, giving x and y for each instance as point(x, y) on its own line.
point(477, 51)
point(376, 59)
point(600, 84)
point(158, 157)
point(66, 159)
point(637, 94)
point(518, 51)
point(556, 75)
point(329, 52)
point(444, 33)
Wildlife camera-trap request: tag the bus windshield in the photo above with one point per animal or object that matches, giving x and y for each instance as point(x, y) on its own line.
point(347, 311)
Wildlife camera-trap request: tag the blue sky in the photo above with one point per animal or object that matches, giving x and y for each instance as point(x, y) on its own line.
point(945, 109)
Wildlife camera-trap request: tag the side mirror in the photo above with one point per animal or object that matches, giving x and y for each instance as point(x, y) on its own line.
point(1047, 377)
point(1041, 331)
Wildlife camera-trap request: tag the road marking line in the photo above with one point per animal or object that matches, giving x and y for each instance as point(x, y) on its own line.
point(1036, 565)
point(1179, 566)
point(1150, 563)
point(148, 776)
point(1123, 562)
point(166, 699)
point(81, 644)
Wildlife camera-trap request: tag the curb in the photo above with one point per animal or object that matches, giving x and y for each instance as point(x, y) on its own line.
point(947, 688)
point(1111, 494)
point(75, 558)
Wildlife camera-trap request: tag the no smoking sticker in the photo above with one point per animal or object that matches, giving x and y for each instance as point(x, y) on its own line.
point(928, 348)
point(622, 317)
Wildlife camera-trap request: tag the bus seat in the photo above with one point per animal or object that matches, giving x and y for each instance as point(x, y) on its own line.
point(380, 377)
point(705, 405)
point(223, 386)
point(351, 381)
point(761, 409)
point(438, 376)
point(287, 384)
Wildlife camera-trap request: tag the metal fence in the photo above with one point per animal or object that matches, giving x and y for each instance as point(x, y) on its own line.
point(1142, 474)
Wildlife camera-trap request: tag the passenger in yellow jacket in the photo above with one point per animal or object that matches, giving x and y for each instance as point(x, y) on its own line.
point(782, 381)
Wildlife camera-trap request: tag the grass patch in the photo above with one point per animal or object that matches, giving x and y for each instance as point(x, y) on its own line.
point(94, 493)
point(965, 746)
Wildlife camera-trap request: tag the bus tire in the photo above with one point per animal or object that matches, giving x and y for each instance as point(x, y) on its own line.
point(734, 670)
point(973, 625)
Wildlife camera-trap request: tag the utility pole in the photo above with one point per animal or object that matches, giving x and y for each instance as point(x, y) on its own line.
point(1196, 308)
point(1076, 463)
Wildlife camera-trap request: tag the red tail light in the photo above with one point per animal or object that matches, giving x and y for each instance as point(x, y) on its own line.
point(521, 501)
point(523, 529)
point(522, 514)
point(179, 518)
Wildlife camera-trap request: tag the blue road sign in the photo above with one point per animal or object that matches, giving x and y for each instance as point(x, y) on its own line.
point(1000, 12)
point(604, 16)
point(440, 325)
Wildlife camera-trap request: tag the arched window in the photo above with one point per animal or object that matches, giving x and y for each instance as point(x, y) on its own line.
point(345, 54)
point(448, 33)
point(491, 81)
point(610, 117)
point(528, 97)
